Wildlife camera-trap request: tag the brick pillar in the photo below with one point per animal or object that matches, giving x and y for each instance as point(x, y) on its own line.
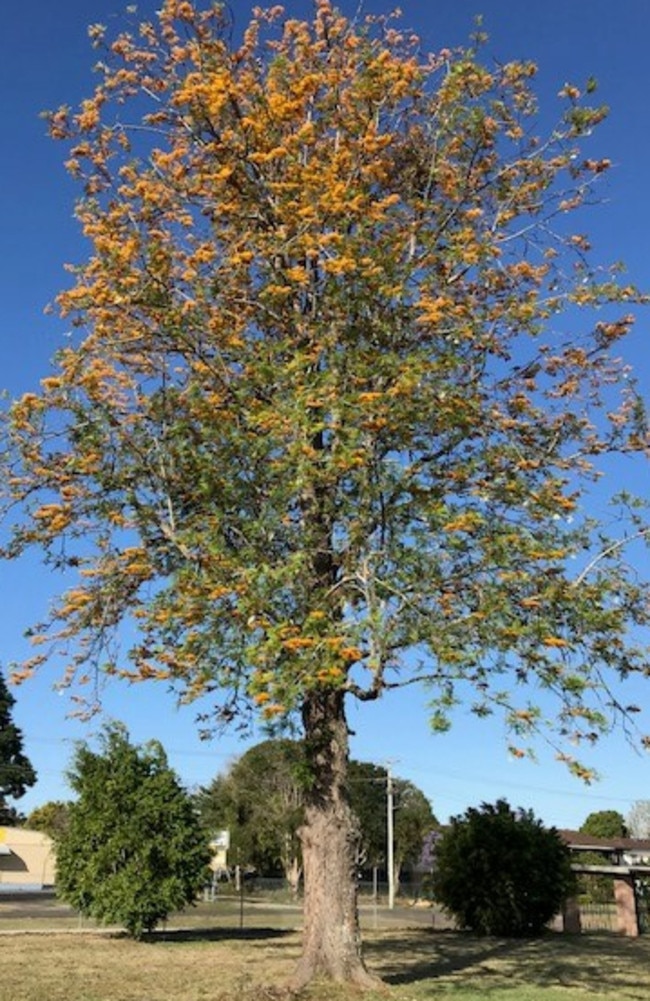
point(571, 922)
point(626, 906)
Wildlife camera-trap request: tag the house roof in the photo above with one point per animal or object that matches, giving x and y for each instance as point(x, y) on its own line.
point(578, 840)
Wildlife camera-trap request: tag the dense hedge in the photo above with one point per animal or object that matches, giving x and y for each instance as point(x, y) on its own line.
point(499, 871)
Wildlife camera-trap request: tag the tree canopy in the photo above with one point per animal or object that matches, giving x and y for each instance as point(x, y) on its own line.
point(413, 817)
point(605, 824)
point(340, 377)
point(132, 849)
point(16, 772)
point(332, 388)
point(261, 799)
point(52, 818)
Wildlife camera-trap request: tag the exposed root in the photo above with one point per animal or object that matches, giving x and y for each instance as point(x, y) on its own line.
point(356, 975)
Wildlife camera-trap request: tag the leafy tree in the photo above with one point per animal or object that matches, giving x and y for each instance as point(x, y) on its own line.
point(605, 824)
point(133, 849)
point(51, 818)
point(413, 817)
point(601, 824)
point(499, 871)
point(332, 404)
point(261, 801)
point(367, 792)
point(16, 772)
point(414, 820)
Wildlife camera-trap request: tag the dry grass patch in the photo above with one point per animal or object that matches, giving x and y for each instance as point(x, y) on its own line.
point(221, 965)
point(93, 967)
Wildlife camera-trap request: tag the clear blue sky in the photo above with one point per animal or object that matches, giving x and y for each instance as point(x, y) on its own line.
point(46, 61)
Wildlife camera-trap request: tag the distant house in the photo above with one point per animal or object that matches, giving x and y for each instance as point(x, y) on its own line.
point(219, 845)
point(27, 859)
point(627, 862)
point(615, 851)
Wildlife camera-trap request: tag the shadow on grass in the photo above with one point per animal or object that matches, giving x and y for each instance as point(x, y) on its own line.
point(601, 963)
point(212, 934)
point(444, 953)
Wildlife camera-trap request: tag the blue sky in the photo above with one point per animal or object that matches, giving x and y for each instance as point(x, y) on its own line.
point(46, 61)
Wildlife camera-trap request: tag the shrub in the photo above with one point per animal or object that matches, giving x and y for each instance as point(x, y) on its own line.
point(499, 871)
point(133, 850)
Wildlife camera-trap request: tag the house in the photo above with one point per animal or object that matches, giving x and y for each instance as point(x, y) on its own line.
point(27, 859)
point(615, 851)
point(626, 861)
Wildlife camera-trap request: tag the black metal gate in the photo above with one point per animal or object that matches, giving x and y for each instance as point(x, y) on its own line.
point(642, 900)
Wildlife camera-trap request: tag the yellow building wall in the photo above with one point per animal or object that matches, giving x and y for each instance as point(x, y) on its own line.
point(26, 858)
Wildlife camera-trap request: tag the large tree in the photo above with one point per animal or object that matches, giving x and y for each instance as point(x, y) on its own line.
point(334, 399)
point(16, 771)
point(260, 800)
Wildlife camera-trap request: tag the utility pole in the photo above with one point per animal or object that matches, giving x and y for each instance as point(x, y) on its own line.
point(390, 854)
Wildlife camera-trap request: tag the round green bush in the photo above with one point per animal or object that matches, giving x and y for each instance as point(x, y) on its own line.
point(499, 871)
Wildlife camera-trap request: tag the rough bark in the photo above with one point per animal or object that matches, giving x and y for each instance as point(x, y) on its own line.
point(331, 937)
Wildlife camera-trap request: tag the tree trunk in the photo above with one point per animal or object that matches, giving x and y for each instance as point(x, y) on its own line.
point(292, 874)
point(331, 937)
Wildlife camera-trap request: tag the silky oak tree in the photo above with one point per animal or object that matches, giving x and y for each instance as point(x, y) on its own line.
point(334, 398)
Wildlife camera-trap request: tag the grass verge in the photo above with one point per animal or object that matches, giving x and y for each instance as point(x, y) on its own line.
point(218, 964)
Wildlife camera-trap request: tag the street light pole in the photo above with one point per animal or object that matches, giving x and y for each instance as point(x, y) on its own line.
point(390, 847)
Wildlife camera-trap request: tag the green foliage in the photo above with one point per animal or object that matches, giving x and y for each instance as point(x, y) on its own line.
point(261, 801)
point(16, 772)
point(593, 888)
point(51, 818)
point(600, 824)
point(499, 871)
point(133, 850)
point(367, 791)
point(605, 824)
point(412, 818)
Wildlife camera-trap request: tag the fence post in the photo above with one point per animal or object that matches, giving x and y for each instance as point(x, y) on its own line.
point(571, 921)
point(626, 911)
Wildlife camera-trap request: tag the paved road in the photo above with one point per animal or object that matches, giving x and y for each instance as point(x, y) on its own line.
point(44, 905)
